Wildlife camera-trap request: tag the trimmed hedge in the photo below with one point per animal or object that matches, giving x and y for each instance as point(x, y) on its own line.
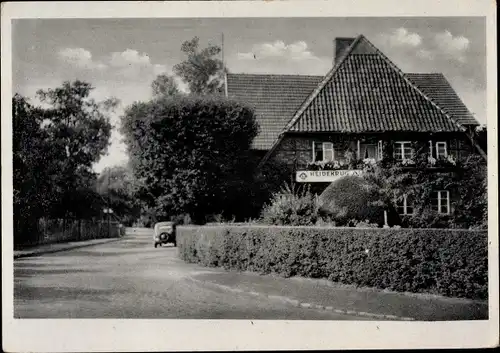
point(439, 261)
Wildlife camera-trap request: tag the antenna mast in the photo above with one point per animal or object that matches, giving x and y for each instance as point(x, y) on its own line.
point(224, 66)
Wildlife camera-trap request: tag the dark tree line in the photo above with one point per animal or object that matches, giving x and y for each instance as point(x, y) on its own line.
point(54, 148)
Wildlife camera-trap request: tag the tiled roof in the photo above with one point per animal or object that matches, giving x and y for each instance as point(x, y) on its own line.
point(437, 88)
point(275, 99)
point(366, 92)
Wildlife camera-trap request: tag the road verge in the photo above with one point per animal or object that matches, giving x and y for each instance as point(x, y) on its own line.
point(58, 247)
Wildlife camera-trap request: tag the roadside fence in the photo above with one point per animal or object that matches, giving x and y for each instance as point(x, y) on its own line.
point(65, 230)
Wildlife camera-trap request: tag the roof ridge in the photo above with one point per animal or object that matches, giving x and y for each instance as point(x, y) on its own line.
point(424, 73)
point(346, 53)
point(451, 92)
point(277, 75)
point(321, 85)
point(311, 97)
point(414, 86)
point(328, 77)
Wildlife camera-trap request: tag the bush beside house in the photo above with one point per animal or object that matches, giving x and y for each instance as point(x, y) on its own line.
point(446, 262)
point(351, 198)
point(293, 206)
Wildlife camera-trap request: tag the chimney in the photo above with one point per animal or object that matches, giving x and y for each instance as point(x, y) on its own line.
point(340, 45)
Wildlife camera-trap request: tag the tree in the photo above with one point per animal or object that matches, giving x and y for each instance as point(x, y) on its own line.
point(190, 153)
point(32, 162)
point(118, 185)
point(53, 152)
point(78, 129)
point(202, 70)
point(164, 85)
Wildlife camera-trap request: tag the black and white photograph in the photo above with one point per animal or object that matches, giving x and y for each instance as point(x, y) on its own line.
point(307, 169)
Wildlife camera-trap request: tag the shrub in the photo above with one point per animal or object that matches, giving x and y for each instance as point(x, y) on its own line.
point(428, 219)
point(364, 224)
point(292, 206)
point(445, 262)
point(351, 198)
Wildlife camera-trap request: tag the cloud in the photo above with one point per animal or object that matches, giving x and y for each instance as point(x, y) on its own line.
point(278, 49)
point(402, 37)
point(280, 58)
point(455, 46)
point(246, 56)
point(80, 58)
point(129, 63)
point(159, 69)
point(132, 64)
point(129, 57)
point(425, 54)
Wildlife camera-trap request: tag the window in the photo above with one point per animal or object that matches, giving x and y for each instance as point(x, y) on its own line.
point(441, 150)
point(406, 206)
point(317, 152)
point(380, 150)
point(440, 202)
point(368, 151)
point(403, 151)
point(325, 152)
point(328, 153)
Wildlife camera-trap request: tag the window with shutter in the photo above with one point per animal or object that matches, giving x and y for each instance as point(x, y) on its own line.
point(368, 151)
point(441, 150)
point(380, 151)
point(317, 151)
point(328, 154)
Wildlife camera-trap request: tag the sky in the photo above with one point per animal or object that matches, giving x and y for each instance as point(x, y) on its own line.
point(121, 57)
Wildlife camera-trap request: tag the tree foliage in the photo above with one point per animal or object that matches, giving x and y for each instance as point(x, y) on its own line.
point(202, 70)
point(164, 85)
point(118, 186)
point(190, 154)
point(466, 180)
point(78, 132)
point(32, 191)
point(54, 148)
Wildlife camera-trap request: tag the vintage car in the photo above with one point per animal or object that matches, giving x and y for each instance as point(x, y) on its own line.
point(164, 232)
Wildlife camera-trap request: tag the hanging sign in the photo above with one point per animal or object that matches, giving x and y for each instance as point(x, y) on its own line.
point(324, 176)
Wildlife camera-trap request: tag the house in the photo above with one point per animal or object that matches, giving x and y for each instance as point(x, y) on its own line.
point(364, 107)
